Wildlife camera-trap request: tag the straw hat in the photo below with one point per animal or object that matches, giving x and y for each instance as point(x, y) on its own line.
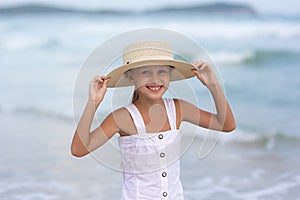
point(149, 53)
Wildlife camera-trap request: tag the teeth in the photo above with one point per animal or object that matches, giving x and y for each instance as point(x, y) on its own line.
point(154, 88)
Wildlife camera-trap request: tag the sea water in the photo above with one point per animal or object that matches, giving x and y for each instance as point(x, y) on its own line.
point(258, 60)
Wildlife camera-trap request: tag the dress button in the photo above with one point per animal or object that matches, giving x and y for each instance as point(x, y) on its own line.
point(165, 194)
point(160, 136)
point(162, 155)
point(164, 174)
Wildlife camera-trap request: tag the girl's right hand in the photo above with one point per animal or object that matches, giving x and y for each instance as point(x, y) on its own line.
point(97, 88)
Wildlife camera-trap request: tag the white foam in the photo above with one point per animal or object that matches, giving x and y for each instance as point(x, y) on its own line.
point(281, 187)
point(223, 57)
point(240, 188)
point(28, 190)
point(16, 41)
point(244, 29)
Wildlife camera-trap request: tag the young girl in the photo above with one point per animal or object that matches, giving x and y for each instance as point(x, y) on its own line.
point(149, 126)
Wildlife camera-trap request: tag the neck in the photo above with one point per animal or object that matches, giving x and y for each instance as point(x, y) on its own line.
point(148, 103)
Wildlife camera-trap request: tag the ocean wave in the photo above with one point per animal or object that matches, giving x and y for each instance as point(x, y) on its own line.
point(220, 8)
point(256, 57)
point(34, 190)
point(264, 56)
point(40, 112)
point(52, 9)
point(63, 112)
point(230, 57)
point(266, 139)
point(247, 183)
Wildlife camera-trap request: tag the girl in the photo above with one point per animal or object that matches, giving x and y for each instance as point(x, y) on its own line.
point(149, 126)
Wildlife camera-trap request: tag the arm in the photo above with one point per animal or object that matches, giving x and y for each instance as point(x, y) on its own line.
point(85, 141)
point(223, 120)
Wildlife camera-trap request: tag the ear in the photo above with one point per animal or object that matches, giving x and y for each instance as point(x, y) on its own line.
point(129, 76)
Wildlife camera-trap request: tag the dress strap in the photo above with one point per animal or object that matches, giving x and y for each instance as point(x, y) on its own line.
point(171, 112)
point(137, 118)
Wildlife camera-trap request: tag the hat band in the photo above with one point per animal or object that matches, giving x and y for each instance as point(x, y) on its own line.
point(144, 54)
point(147, 58)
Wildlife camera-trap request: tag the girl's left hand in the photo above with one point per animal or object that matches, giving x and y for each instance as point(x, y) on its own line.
point(205, 73)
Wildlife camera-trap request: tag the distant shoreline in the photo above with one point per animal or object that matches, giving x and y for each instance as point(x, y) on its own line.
point(214, 8)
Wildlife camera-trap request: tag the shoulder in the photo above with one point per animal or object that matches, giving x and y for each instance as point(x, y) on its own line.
point(119, 114)
point(182, 103)
point(185, 108)
point(123, 121)
point(115, 116)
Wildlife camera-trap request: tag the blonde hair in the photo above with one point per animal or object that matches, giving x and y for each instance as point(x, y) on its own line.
point(135, 96)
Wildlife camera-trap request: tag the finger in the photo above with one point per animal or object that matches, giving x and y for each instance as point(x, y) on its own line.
point(105, 77)
point(196, 72)
point(96, 79)
point(199, 76)
point(99, 79)
point(198, 63)
point(204, 66)
point(105, 82)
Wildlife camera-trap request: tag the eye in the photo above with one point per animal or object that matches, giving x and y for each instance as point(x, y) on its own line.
point(145, 72)
point(162, 71)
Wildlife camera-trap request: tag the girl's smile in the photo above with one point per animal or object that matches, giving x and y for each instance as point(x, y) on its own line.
point(154, 88)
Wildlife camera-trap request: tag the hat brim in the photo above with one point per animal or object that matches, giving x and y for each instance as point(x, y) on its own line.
point(182, 70)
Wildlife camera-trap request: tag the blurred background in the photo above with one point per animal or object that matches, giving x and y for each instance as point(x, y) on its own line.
point(254, 44)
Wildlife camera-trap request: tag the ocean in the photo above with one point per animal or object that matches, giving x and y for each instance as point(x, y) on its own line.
point(257, 58)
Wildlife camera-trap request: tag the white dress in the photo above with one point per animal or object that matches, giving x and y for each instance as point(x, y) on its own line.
point(150, 161)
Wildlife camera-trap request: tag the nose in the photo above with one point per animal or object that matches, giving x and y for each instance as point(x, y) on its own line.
point(155, 78)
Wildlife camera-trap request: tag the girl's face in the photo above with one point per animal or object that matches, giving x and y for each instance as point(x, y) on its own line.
point(152, 81)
